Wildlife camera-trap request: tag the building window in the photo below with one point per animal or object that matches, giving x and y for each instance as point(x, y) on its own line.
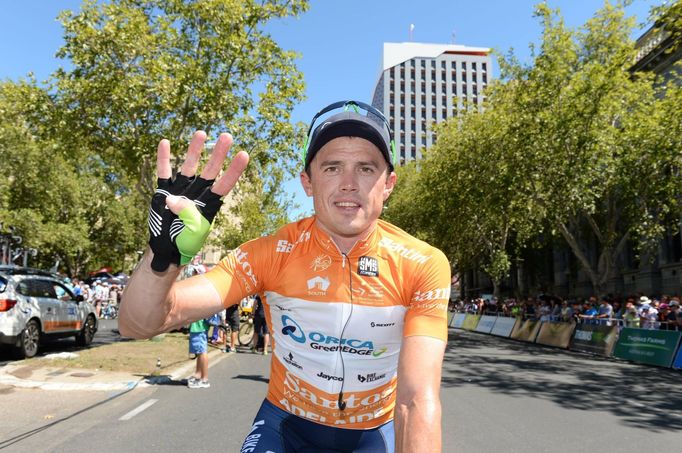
point(442, 64)
point(423, 87)
point(473, 66)
point(453, 65)
point(485, 78)
point(464, 65)
point(484, 67)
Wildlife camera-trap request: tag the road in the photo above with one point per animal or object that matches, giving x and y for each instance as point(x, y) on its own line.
point(497, 395)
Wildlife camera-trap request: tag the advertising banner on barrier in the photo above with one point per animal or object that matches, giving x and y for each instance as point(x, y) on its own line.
point(527, 331)
point(555, 334)
point(459, 320)
point(595, 338)
point(485, 324)
point(470, 322)
point(655, 347)
point(451, 316)
point(677, 364)
point(504, 326)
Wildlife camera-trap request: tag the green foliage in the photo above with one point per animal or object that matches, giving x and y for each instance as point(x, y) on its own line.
point(142, 70)
point(574, 144)
point(668, 17)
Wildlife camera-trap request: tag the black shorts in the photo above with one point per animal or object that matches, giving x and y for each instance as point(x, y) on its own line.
point(260, 326)
point(232, 317)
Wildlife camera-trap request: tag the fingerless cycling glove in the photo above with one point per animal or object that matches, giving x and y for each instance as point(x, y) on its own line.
point(177, 238)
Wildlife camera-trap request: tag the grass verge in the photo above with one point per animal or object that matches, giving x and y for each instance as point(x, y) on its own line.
point(134, 356)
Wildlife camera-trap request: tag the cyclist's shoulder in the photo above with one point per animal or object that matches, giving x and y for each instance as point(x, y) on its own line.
point(404, 247)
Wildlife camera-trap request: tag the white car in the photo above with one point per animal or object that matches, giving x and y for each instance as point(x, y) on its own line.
point(34, 305)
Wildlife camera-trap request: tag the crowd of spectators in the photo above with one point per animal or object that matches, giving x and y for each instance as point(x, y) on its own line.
point(103, 295)
point(633, 311)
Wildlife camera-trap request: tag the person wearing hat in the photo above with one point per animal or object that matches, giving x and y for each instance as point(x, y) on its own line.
point(357, 307)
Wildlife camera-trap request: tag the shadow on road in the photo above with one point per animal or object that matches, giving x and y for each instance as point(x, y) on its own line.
point(253, 377)
point(641, 396)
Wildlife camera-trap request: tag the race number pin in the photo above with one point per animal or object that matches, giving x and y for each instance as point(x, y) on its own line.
point(368, 266)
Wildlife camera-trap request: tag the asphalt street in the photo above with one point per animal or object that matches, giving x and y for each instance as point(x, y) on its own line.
point(497, 395)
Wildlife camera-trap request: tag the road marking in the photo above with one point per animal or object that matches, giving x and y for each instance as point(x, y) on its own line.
point(138, 409)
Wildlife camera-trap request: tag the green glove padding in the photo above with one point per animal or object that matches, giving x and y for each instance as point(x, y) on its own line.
point(194, 234)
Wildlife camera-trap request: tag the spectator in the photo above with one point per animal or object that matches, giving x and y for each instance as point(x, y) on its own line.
point(566, 313)
point(198, 344)
point(589, 312)
point(605, 312)
point(232, 320)
point(630, 314)
point(674, 317)
point(649, 317)
point(260, 326)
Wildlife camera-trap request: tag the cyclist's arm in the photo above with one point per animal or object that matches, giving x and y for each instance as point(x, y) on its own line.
point(425, 334)
point(153, 302)
point(418, 410)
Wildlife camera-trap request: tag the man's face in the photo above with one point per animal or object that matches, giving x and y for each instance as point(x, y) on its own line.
point(349, 183)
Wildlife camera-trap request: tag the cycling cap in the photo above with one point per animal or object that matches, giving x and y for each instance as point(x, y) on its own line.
point(350, 124)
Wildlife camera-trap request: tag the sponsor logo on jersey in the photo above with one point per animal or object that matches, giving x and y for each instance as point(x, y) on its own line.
point(403, 251)
point(317, 286)
point(321, 263)
point(328, 377)
point(382, 324)
point(368, 266)
point(280, 308)
point(435, 294)
point(328, 343)
point(370, 377)
point(284, 246)
point(247, 270)
point(290, 360)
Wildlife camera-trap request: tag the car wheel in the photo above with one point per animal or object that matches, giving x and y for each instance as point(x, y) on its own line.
point(29, 340)
point(245, 334)
point(85, 336)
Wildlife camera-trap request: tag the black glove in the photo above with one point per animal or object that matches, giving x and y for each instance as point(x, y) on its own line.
point(177, 238)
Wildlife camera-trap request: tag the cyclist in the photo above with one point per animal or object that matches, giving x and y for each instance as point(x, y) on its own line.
point(357, 307)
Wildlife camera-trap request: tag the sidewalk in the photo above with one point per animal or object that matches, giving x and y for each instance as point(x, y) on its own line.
point(53, 378)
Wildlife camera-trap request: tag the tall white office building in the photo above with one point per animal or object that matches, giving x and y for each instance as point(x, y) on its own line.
point(423, 84)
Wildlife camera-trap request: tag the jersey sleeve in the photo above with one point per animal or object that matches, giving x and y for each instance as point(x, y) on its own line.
point(427, 312)
point(244, 271)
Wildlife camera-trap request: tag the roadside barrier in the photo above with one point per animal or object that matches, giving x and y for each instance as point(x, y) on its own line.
point(526, 331)
point(470, 322)
point(486, 324)
point(557, 334)
point(654, 347)
point(503, 326)
point(597, 339)
point(604, 337)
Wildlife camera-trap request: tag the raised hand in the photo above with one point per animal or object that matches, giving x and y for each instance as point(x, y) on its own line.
point(182, 209)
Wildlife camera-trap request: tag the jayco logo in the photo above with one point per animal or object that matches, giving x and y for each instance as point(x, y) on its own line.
point(323, 375)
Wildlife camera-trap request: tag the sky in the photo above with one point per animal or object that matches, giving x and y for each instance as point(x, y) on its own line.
point(340, 42)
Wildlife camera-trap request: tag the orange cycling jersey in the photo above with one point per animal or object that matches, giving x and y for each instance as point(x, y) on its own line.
point(338, 319)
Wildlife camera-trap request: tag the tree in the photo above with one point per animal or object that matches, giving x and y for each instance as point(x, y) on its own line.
point(150, 69)
point(80, 151)
point(573, 144)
